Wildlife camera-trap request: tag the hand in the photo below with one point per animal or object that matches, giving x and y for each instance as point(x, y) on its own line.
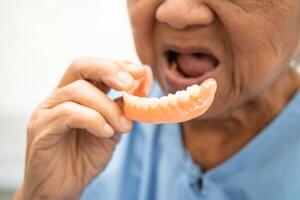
point(73, 133)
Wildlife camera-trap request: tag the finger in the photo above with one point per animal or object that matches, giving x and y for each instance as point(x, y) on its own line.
point(111, 73)
point(70, 115)
point(143, 87)
point(86, 94)
point(136, 70)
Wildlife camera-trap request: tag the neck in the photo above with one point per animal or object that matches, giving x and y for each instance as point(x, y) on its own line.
point(211, 142)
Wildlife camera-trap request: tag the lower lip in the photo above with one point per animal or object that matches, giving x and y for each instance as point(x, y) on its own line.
point(176, 82)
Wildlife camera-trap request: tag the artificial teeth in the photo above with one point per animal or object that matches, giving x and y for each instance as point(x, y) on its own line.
point(163, 101)
point(172, 99)
point(130, 98)
point(183, 96)
point(209, 84)
point(145, 102)
point(154, 102)
point(138, 102)
point(126, 97)
point(194, 90)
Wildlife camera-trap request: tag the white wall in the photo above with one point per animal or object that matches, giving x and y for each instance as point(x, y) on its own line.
point(38, 39)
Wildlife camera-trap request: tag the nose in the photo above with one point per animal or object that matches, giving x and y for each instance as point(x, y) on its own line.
point(180, 14)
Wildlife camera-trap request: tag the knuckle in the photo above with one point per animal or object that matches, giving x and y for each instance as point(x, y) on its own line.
point(112, 67)
point(76, 88)
point(74, 65)
point(80, 84)
point(77, 63)
point(68, 108)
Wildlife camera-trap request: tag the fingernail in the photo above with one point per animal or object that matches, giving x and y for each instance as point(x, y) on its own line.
point(125, 77)
point(125, 123)
point(108, 130)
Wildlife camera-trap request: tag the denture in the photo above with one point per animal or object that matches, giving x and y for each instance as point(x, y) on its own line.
point(173, 108)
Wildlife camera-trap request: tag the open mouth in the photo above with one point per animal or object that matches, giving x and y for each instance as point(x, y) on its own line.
point(191, 65)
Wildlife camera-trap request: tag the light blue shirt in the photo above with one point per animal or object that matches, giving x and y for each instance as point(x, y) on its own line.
point(151, 163)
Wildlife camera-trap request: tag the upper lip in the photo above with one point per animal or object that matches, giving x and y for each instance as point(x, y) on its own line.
point(188, 50)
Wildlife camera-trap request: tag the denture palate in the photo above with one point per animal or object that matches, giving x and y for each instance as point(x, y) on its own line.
point(173, 108)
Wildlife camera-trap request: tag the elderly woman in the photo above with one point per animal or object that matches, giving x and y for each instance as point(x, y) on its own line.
point(246, 146)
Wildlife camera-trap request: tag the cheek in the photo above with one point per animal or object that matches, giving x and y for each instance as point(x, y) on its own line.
point(142, 17)
point(260, 51)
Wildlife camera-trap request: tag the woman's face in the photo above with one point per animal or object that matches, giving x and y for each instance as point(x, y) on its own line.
point(245, 45)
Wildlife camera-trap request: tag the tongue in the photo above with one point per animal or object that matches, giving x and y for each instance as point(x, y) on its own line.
point(193, 65)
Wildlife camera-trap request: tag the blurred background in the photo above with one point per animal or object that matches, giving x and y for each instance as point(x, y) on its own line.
point(38, 40)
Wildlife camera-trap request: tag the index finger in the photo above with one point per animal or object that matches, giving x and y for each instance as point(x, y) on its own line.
point(110, 73)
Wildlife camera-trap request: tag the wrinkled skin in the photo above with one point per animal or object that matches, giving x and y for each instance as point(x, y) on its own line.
point(67, 142)
point(67, 145)
point(254, 39)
